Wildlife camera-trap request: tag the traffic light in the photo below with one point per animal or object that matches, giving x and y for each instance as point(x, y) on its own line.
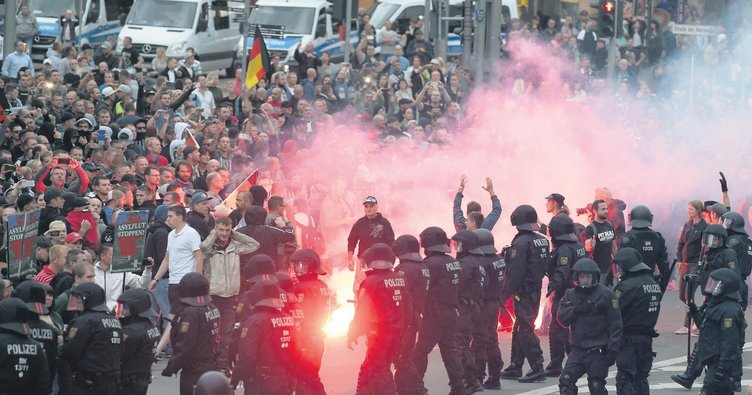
point(606, 17)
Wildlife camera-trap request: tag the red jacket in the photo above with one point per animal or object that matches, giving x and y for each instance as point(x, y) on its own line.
point(90, 238)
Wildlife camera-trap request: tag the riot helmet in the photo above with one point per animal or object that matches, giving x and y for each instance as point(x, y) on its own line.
point(467, 241)
point(525, 217)
point(194, 289)
point(561, 228)
point(722, 282)
point(734, 222)
point(265, 293)
point(640, 217)
point(259, 264)
point(434, 239)
point(628, 260)
point(213, 383)
point(379, 256)
point(14, 316)
point(87, 296)
point(134, 302)
point(586, 274)
point(485, 242)
point(34, 295)
point(407, 248)
point(306, 261)
point(714, 236)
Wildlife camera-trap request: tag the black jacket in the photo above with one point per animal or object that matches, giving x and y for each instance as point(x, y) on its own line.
point(472, 278)
point(48, 215)
point(690, 242)
point(384, 304)
point(203, 225)
point(62, 282)
point(266, 347)
point(268, 237)
point(156, 244)
point(47, 335)
point(141, 338)
point(651, 245)
point(526, 263)
point(493, 265)
point(563, 257)
point(313, 300)
point(640, 303)
point(13, 348)
point(367, 232)
point(194, 337)
point(93, 344)
point(444, 284)
point(418, 278)
point(722, 328)
point(593, 317)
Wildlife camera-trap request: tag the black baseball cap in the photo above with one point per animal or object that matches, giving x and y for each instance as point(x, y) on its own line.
point(556, 197)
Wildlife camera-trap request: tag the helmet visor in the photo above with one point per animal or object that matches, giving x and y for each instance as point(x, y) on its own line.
point(727, 223)
point(300, 267)
point(75, 303)
point(712, 241)
point(713, 287)
point(585, 279)
point(122, 310)
point(616, 270)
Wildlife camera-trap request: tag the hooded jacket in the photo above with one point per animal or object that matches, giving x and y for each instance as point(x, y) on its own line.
point(180, 127)
point(156, 239)
point(48, 215)
point(268, 237)
point(222, 267)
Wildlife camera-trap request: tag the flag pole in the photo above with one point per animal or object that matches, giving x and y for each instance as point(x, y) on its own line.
point(249, 6)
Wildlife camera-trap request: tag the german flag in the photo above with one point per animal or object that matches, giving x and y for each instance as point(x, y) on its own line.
point(258, 61)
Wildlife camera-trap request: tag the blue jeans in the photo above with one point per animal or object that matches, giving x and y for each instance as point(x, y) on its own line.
point(162, 303)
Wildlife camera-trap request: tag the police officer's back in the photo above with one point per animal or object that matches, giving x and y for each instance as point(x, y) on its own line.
point(417, 275)
point(639, 298)
point(650, 244)
point(740, 242)
point(194, 334)
point(266, 351)
point(33, 294)
point(23, 365)
point(93, 344)
point(140, 340)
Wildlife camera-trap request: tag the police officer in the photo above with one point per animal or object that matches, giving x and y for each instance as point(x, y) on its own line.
point(591, 311)
point(739, 241)
point(34, 295)
point(639, 298)
point(140, 340)
point(93, 343)
point(313, 303)
point(194, 334)
point(383, 311)
point(526, 265)
point(717, 254)
point(259, 267)
point(287, 295)
point(417, 276)
point(722, 325)
point(472, 281)
point(567, 250)
point(439, 324)
point(489, 353)
point(213, 383)
point(650, 244)
point(266, 348)
point(23, 365)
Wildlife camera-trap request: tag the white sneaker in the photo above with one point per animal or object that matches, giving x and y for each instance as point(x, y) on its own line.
point(681, 331)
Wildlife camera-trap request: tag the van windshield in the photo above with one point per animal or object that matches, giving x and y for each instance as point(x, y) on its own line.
point(381, 12)
point(163, 13)
point(51, 8)
point(295, 20)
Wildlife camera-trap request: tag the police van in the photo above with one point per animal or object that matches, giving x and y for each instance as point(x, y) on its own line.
point(287, 23)
point(399, 12)
point(101, 20)
point(210, 27)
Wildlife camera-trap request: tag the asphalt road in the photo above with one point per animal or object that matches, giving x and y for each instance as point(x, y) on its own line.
point(340, 365)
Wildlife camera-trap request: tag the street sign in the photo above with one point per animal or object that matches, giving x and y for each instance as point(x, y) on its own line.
point(697, 30)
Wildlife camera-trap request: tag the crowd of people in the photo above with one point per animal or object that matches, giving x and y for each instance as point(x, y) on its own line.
point(94, 134)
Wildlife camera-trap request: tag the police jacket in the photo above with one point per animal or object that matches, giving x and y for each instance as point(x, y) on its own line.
point(47, 335)
point(418, 277)
point(94, 344)
point(195, 337)
point(384, 304)
point(717, 258)
point(266, 346)
point(639, 298)
point(651, 245)
point(222, 265)
point(593, 317)
point(742, 245)
point(16, 376)
point(690, 241)
point(202, 224)
point(526, 263)
point(313, 301)
point(444, 284)
point(472, 278)
point(560, 263)
point(140, 340)
point(493, 265)
point(721, 332)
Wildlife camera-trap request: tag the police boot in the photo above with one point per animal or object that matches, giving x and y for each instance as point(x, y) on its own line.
point(536, 374)
point(457, 390)
point(492, 384)
point(473, 387)
point(684, 380)
point(553, 369)
point(513, 372)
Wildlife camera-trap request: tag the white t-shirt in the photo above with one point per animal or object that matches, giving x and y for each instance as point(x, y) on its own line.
point(181, 246)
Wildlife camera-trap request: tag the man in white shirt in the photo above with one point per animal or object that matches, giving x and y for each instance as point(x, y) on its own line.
point(113, 282)
point(203, 97)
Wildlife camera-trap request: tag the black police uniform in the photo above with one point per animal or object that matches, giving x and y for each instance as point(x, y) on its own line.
point(742, 245)
point(485, 337)
point(439, 324)
point(23, 365)
point(639, 298)
point(313, 305)
point(593, 317)
point(93, 344)
point(718, 258)
point(383, 311)
point(34, 295)
point(652, 248)
point(417, 277)
point(194, 334)
point(525, 267)
point(140, 337)
point(564, 255)
point(266, 351)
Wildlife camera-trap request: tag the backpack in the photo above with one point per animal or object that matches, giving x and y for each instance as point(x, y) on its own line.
point(310, 236)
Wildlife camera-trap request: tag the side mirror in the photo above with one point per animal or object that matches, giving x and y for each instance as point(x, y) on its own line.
point(202, 25)
point(321, 31)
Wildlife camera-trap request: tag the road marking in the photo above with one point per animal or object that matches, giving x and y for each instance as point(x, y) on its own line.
point(554, 389)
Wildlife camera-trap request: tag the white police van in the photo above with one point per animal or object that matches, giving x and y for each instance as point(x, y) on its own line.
point(287, 23)
point(101, 20)
point(210, 27)
point(401, 11)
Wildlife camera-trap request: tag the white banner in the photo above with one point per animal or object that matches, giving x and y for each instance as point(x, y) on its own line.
point(697, 30)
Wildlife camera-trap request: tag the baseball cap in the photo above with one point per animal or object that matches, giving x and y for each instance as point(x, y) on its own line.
point(130, 178)
point(107, 91)
point(200, 196)
point(370, 200)
point(47, 61)
point(52, 193)
point(79, 202)
point(124, 88)
point(556, 197)
point(72, 238)
point(189, 150)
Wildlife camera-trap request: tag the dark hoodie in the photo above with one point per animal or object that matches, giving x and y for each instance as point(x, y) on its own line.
point(616, 217)
point(156, 239)
point(48, 215)
point(367, 232)
point(259, 196)
point(268, 237)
